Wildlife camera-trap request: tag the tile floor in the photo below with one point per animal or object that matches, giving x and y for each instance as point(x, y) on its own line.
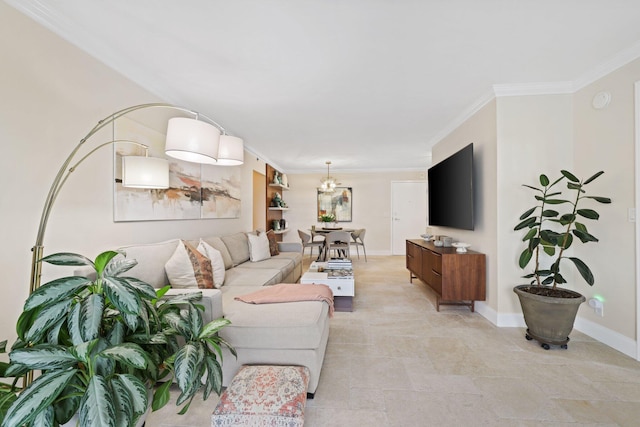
point(395, 361)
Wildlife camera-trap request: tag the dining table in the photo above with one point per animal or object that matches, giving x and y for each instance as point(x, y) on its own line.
point(322, 256)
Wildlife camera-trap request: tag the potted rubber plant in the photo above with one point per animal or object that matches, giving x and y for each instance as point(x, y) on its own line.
point(549, 310)
point(105, 344)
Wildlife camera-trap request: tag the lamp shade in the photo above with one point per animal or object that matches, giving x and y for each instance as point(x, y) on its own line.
point(145, 172)
point(192, 140)
point(230, 151)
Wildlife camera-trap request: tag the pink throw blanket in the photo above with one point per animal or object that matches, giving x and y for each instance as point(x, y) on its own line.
point(290, 292)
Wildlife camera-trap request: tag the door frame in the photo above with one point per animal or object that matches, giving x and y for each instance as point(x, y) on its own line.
point(637, 209)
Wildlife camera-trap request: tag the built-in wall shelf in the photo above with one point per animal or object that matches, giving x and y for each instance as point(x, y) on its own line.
point(279, 186)
point(275, 185)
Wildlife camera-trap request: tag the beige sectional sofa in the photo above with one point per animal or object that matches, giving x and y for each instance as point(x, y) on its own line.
point(293, 333)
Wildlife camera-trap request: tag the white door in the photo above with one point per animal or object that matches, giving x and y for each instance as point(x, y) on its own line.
point(408, 213)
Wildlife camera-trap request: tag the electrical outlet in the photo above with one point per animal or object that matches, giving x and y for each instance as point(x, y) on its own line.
point(598, 306)
point(631, 215)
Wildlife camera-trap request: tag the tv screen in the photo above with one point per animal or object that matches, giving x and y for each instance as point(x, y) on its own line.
point(451, 191)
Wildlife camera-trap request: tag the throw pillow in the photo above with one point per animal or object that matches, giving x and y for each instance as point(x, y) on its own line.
point(258, 247)
point(217, 243)
point(238, 247)
point(273, 244)
point(188, 268)
point(217, 263)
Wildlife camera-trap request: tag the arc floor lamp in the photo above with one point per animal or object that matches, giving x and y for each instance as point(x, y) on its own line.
point(198, 139)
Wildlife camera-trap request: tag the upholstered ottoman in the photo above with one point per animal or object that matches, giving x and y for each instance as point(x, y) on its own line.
point(264, 395)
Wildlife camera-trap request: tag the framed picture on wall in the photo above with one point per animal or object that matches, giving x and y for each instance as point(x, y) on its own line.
point(338, 203)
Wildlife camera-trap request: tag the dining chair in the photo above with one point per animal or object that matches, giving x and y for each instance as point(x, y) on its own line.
point(308, 243)
point(338, 241)
point(358, 240)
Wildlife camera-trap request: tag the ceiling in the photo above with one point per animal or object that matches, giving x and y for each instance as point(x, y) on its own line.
point(367, 84)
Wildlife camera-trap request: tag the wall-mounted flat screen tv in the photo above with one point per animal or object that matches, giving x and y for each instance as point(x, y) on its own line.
point(451, 191)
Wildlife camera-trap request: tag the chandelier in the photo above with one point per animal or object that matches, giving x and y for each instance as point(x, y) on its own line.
point(328, 184)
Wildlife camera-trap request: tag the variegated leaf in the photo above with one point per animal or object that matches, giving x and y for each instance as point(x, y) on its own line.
point(195, 320)
point(122, 296)
point(73, 324)
point(116, 334)
point(53, 335)
point(187, 365)
point(91, 316)
point(44, 357)
point(214, 376)
point(137, 391)
point(176, 322)
point(119, 266)
point(68, 258)
point(55, 291)
point(121, 402)
point(128, 353)
point(82, 352)
point(131, 320)
point(143, 287)
point(45, 418)
point(103, 261)
point(37, 396)
point(96, 408)
point(213, 327)
point(183, 298)
point(46, 319)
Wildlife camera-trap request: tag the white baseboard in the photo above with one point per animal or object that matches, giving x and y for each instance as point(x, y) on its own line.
point(606, 336)
point(594, 330)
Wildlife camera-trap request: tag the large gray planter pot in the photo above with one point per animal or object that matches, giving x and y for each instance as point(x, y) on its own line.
point(549, 320)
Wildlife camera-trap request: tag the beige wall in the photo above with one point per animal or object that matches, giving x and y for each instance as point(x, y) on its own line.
point(371, 204)
point(604, 140)
point(481, 131)
point(544, 134)
point(534, 137)
point(52, 95)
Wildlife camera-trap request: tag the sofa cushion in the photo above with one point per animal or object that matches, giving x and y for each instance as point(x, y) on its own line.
point(217, 243)
point(188, 268)
point(285, 265)
point(217, 263)
point(239, 276)
point(151, 260)
point(238, 246)
point(258, 247)
point(296, 325)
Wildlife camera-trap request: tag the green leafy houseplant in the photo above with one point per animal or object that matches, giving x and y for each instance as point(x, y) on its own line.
point(104, 345)
point(326, 218)
point(550, 311)
point(8, 392)
point(553, 232)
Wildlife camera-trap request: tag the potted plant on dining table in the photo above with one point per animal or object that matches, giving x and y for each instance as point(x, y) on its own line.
point(328, 221)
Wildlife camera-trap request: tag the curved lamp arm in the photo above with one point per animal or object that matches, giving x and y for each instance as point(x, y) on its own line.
point(65, 171)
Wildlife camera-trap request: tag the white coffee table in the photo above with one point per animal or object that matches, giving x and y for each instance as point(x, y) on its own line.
point(341, 282)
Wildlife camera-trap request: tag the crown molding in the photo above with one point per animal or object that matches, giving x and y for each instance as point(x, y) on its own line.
point(534, 88)
point(618, 60)
point(463, 117)
point(353, 171)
